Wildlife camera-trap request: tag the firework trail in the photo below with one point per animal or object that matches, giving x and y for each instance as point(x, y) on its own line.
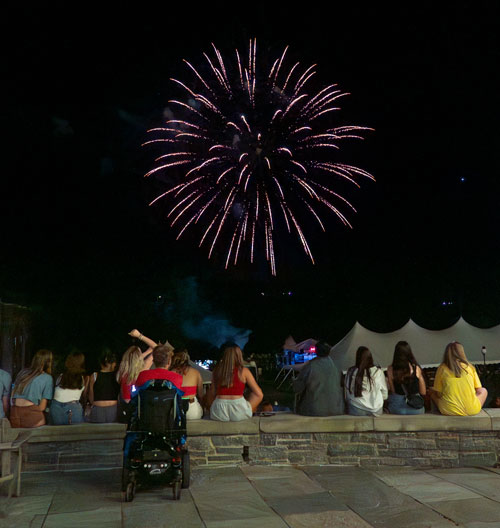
point(256, 150)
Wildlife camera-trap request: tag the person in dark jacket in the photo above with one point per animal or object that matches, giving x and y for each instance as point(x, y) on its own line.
point(318, 387)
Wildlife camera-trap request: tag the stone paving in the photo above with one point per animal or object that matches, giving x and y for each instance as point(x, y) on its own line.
point(264, 497)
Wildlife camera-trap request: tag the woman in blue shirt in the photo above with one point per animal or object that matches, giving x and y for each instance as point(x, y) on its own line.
point(33, 389)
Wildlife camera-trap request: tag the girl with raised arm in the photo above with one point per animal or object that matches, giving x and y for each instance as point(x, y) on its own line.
point(133, 362)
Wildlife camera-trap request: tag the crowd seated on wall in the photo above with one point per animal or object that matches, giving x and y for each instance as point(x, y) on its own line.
point(104, 396)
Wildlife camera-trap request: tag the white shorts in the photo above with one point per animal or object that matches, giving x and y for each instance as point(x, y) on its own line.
point(195, 411)
point(230, 410)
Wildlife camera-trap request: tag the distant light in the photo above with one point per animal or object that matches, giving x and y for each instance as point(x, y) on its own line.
point(312, 349)
point(205, 364)
point(289, 293)
point(462, 179)
point(262, 293)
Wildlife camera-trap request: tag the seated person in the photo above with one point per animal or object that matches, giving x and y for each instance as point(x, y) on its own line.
point(33, 389)
point(318, 386)
point(405, 378)
point(192, 383)
point(133, 362)
point(229, 380)
point(5, 387)
point(162, 357)
point(457, 389)
point(66, 408)
point(104, 390)
point(365, 386)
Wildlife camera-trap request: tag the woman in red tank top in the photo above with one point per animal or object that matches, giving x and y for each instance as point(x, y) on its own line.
point(230, 378)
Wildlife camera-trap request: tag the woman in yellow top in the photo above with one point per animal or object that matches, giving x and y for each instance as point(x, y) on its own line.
point(457, 389)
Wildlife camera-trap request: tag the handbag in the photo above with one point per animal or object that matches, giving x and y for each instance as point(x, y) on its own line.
point(415, 400)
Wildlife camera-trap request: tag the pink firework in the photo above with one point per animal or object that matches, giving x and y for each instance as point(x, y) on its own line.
point(252, 152)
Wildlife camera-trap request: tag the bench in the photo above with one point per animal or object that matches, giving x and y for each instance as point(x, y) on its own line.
point(11, 443)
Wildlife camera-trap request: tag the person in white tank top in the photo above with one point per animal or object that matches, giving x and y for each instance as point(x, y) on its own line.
point(65, 408)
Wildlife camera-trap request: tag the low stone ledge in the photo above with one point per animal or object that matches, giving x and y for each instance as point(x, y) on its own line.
point(494, 414)
point(429, 440)
point(486, 420)
point(111, 431)
point(71, 433)
point(294, 423)
point(213, 427)
point(432, 422)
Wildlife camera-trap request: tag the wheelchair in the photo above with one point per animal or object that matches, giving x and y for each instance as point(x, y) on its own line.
point(154, 446)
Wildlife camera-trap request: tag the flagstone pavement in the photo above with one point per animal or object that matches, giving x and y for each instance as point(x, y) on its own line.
point(264, 497)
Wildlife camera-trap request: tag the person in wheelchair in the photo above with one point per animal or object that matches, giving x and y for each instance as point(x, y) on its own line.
point(155, 442)
point(162, 358)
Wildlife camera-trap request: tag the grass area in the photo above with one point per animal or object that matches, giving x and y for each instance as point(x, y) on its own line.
point(284, 396)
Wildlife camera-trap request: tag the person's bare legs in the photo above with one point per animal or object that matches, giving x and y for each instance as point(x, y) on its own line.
point(482, 394)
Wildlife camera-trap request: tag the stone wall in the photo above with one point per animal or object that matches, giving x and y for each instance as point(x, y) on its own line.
point(73, 455)
point(423, 449)
point(426, 441)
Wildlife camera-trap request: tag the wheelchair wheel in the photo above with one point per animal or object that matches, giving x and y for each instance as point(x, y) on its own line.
point(186, 470)
point(176, 490)
point(125, 478)
point(130, 492)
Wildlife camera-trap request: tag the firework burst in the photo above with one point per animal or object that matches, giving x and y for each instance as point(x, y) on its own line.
point(256, 152)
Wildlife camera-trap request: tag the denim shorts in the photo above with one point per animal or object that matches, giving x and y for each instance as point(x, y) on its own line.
point(65, 413)
point(396, 404)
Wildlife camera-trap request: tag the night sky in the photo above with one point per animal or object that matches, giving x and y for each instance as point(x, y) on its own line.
point(81, 247)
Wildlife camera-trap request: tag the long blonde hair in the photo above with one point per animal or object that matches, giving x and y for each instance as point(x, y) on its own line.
point(455, 359)
point(224, 370)
point(41, 363)
point(130, 366)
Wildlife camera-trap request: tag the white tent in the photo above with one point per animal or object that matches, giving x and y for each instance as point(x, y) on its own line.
point(289, 343)
point(206, 375)
point(427, 345)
